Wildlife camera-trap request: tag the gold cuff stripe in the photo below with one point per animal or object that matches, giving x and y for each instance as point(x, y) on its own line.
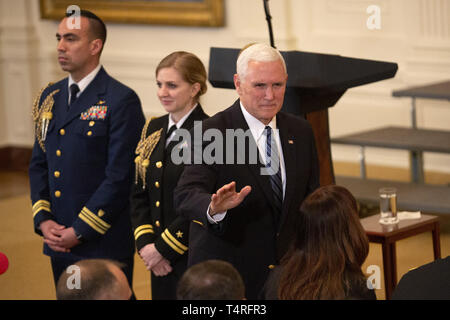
point(93, 221)
point(99, 221)
point(173, 243)
point(174, 240)
point(142, 232)
point(41, 203)
point(198, 222)
point(40, 209)
point(91, 224)
point(39, 206)
point(144, 226)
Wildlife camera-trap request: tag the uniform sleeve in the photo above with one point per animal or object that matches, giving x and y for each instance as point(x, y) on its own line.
point(39, 187)
point(111, 199)
point(141, 217)
point(173, 242)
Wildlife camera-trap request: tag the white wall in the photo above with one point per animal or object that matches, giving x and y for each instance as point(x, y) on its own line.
point(414, 33)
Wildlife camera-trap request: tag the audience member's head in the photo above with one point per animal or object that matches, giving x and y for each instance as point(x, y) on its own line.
point(211, 280)
point(325, 258)
point(93, 279)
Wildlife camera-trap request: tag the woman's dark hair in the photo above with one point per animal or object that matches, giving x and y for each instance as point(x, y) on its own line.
point(330, 246)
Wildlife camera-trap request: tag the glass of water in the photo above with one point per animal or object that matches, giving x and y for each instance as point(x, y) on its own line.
point(388, 205)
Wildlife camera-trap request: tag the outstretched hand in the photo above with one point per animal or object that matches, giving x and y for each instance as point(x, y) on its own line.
point(227, 198)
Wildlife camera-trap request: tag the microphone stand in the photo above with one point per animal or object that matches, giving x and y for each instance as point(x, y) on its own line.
point(269, 23)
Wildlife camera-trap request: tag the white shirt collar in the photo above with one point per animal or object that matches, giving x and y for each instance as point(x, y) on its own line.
point(83, 83)
point(182, 120)
point(256, 126)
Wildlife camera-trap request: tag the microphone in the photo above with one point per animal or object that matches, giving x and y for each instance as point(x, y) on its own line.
point(269, 22)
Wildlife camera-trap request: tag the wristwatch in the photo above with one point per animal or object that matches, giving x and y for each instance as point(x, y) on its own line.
point(79, 236)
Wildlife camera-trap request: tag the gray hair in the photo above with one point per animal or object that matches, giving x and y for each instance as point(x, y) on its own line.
point(257, 52)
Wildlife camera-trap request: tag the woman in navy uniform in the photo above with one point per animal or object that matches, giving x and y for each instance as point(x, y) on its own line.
point(162, 236)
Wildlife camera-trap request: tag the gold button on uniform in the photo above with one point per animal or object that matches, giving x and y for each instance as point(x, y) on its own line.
point(62, 132)
point(157, 204)
point(58, 153)
point(91, 123)
point(57, 193)
point(271, 266)
point(89, 133)
point(57, 174)
point(157, 223)
point(157, 184)
point(159, 164)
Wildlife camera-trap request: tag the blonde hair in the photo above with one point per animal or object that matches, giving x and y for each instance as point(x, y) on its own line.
point(189, 66)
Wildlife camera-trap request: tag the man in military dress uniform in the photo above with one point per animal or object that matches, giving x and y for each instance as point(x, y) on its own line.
point(87, 127)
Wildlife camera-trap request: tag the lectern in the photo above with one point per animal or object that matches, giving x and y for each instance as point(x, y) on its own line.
point(315, 83)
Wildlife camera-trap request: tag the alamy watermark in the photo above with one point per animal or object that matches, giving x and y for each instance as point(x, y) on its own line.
point(212, 146)
point(374, 280)
point(73, 281)
point(374, 20)
point(74, 20)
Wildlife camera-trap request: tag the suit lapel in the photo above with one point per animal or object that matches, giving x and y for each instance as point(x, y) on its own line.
point(288, 144)
point(262, 180)
point(89, 97)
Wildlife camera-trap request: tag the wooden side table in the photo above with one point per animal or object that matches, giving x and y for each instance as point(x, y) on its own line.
point(388, 235)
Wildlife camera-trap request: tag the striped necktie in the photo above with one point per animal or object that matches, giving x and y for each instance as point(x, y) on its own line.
point(272, 157)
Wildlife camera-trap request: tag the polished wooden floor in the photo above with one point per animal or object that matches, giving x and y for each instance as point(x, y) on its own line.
point(29, 273)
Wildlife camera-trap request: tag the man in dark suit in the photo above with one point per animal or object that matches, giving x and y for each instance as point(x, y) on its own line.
point(428, 282)
point(250, 228)
point(87, 127)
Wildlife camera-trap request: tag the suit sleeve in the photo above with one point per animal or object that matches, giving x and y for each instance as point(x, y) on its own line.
point(111, 198)
point(197, 183)
point(39, 187)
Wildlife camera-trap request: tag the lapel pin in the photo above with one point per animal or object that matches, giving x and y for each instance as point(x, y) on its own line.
point(291, 141)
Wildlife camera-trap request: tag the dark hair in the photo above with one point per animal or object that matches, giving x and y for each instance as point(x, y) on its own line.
point(189, 66)
point(96, 280)
point(211, 280)
point(329, 248)
point(97, 26)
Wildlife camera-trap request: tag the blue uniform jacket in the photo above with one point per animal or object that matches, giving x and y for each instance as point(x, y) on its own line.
point(83, 177)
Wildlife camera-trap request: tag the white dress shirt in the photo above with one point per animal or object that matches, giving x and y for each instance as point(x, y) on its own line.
point(83, 83)
point(257, 129)
point(178, 124)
